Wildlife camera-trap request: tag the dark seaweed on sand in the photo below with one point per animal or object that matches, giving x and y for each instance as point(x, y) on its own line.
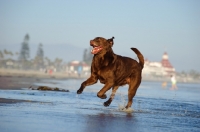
point(46, 88)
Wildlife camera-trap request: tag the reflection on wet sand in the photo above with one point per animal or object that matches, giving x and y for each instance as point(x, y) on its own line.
point(110, 122)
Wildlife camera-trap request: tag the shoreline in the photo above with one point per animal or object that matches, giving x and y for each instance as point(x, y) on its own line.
point(17, 82)
point(11, 79)
point(35, 74)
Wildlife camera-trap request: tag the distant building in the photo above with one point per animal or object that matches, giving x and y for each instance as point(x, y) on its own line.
point(167, 65)
point(73, 66)
point(163, 68)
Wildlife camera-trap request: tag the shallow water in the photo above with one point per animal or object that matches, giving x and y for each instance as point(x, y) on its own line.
point(154, 109)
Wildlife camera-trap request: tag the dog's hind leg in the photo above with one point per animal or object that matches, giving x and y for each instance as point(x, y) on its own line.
point(133, 86)
point(92, 80)
point(108, 102)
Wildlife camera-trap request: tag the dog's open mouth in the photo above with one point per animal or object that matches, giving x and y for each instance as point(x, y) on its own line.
point(96, 49)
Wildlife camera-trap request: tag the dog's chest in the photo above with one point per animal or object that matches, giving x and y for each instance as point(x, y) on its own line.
point(100, 63)
point(101, 76)
point(104, 67)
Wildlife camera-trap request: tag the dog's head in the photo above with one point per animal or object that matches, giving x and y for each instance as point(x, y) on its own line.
point(100, 44)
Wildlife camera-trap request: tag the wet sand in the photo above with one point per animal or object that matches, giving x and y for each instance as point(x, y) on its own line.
point(17, 83)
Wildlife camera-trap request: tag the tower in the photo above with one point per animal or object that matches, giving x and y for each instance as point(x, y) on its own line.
point(167, 65)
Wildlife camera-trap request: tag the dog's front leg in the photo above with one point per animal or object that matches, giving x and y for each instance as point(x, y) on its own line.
point(92, 80)
point(101, 94)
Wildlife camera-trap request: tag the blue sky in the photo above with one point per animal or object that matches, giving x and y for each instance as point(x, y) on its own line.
point(152, 26)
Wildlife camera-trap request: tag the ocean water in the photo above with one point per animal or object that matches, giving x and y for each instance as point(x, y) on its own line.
point(154, 109)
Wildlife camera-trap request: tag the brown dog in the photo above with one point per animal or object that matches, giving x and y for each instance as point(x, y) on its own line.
point(113, 70)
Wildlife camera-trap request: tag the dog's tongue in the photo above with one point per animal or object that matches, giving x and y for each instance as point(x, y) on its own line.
point(95, 50)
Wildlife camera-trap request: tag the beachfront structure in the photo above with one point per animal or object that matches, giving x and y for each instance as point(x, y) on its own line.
point(167, 65)
point(162, 68)
point(74, 66)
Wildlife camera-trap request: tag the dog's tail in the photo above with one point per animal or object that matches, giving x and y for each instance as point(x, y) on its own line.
point(140, 56)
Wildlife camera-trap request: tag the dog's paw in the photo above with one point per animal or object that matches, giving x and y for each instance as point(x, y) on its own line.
point(103, 96)
point(106, 104)
point(79, 91)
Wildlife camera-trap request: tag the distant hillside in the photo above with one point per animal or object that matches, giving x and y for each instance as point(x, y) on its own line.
point(64, 51)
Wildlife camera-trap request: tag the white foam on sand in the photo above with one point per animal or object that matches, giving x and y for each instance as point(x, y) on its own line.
point(122, 104)
point(123, 109)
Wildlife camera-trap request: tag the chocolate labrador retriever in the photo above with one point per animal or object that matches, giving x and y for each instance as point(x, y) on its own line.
point(113, 70)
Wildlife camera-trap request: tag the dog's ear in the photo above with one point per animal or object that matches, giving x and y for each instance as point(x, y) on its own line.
point(110, 41)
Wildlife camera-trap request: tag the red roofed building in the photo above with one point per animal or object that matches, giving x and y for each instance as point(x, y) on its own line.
point(162, 68)
point(167, 65)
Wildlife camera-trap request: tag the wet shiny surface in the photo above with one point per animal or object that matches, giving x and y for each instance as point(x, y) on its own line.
point(153, 109)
